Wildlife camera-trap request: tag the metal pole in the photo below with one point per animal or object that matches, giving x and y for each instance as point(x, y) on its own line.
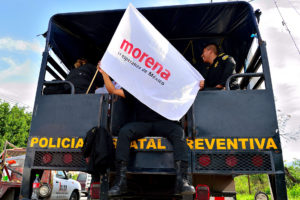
point(2, 165)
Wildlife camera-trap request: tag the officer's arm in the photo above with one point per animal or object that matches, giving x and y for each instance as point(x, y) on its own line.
point(220, 86)
point(229, 67)
point(201, 84)
point(109, 85)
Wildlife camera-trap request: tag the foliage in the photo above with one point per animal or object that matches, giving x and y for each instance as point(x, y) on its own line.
point(294, 170)
point(74, 176)
point(244, 196)
point(294, 192)
point(14, 125)
point(260, 182)
point(292, 195)
point(249, 197)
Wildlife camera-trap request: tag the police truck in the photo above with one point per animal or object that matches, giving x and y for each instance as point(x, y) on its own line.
point(229, 132)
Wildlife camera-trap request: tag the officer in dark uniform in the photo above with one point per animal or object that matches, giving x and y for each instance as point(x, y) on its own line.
point(147, 122)
point(81, 76)
point(221, 66)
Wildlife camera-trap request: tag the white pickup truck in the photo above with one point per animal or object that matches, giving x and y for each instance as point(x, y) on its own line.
point(63, 188)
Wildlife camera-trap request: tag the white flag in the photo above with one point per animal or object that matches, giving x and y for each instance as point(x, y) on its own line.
point(144, 63)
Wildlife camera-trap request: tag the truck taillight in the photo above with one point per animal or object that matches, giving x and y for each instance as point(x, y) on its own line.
point(47, 158)
point(95, 190)
point(257, 161)
point(231, 161)
point(67, 158)
point(204, 160)
point(202, 192)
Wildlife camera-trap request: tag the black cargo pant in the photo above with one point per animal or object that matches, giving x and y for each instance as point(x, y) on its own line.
point(168, 129)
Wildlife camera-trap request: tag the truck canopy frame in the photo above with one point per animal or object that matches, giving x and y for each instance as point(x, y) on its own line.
point(87, 34)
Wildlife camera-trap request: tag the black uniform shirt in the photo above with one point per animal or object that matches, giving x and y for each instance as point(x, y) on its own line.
point(217, 73)
point(142, 112)
point(81, 78)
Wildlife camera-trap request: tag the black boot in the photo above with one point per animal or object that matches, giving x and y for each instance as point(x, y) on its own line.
point(120, 183)
point(183, 187)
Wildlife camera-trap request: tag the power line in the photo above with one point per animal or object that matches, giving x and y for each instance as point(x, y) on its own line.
point(287, 28)
point(12, 100)
point(293, 7)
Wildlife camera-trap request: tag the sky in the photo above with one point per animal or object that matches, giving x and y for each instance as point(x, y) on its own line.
point(21, 47)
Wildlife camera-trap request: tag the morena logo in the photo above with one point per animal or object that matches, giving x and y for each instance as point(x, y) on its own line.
point(148, 60)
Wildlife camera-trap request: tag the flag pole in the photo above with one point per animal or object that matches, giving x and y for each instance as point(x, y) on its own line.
point(92, 82)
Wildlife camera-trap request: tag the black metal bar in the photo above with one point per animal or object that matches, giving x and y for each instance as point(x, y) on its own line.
point(278, 186)
point(265, 65)
point(192, 122)
point(52, 73)
point(253, 66)
point(104, 187)
point(14, 171)
point(258, 83)
point(42, 75)
point(57, 67)
point(242, 75)
point(104, 107)
point(61, 82)
point(253, 69)
point(255, 58)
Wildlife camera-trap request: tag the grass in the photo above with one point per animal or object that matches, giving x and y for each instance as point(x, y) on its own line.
point(251, 197)
point(260, 183)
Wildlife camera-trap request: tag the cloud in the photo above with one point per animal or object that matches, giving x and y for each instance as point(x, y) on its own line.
point(10, 44)
point(290, 150)
point(14, 69)
point(18, 81)
point(21, 93)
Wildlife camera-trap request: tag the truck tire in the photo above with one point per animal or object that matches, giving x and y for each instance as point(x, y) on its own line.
point(74, 196)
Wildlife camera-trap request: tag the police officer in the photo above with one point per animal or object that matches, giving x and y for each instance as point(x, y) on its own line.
point(147, 122)
point(221, 66)
point(81, 76)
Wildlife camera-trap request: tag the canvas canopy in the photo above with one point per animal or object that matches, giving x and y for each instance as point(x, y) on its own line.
point(187, 27)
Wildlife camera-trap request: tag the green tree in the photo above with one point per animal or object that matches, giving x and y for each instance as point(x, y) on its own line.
point(258, 182)
point(293, 174)
point(14, 125)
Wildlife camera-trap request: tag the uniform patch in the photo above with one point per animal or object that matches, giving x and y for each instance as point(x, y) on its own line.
point(225, 57)
point(216, 64)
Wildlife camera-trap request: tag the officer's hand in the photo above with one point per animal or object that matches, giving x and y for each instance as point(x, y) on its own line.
point(99, 68)
point(201, 84)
